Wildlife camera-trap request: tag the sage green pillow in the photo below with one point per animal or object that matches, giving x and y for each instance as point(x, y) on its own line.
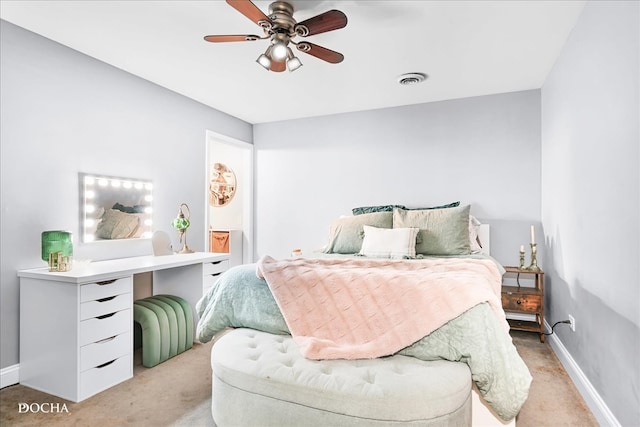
point(347, 233)
point(442, 231)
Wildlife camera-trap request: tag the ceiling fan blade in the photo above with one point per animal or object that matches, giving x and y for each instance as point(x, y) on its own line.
point(328, 21)
point(278, 67)
point(232, 38)
point(320, 52)
point(252, 12)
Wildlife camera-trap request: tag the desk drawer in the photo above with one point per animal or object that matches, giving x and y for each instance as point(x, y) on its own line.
point(209, 280)
point(521, 302)
point(216, 267)
point(108, 288)
point(101, 377)
point(96, 329)
point(106, 305)
point(100, 352)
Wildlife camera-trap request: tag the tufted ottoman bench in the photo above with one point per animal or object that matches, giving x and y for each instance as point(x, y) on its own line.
point(261, 379)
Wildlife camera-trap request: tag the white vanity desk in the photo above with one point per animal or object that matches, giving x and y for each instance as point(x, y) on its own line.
point(76, 327)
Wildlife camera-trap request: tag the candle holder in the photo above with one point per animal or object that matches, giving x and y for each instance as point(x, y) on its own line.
point(521, 260)
point(59, 262)
point(534, 259)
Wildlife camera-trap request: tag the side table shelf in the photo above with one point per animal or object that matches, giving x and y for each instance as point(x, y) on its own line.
point(525, 300)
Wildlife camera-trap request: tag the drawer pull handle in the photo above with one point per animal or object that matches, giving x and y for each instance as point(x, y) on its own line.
point(216, 262)
point(104, 316)
point(518, 302)
point(106, 340)
point(106, 282)
point(106, 299)
point(216, 274)
point(105, 364)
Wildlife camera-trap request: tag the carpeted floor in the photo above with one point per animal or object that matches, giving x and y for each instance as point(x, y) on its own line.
point(177, 393)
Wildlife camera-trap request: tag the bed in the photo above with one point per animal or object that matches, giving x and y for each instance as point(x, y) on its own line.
point(392, 284)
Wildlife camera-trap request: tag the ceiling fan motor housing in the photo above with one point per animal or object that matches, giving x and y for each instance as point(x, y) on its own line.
point(281, 14)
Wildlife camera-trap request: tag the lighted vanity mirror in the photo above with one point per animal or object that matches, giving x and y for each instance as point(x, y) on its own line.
point(115, 208)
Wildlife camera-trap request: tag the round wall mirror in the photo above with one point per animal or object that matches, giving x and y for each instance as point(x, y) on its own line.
point(222, 185)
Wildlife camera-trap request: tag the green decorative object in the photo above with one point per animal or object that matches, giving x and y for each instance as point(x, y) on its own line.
point(181, 223)
point(57, 249)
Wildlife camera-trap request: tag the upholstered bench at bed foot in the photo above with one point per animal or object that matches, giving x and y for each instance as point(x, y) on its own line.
point(163, 327)
point(260, 379)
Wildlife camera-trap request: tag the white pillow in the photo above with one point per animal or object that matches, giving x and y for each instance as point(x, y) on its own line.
point(474, 225)
point(389, 242)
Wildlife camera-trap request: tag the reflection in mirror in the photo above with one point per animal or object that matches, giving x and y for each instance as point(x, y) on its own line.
point(115, 208)
point(222, 185)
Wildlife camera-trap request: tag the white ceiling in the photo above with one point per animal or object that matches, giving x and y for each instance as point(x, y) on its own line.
point(467, 48)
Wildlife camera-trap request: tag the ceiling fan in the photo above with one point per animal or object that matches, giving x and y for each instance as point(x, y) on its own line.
point(280, 28)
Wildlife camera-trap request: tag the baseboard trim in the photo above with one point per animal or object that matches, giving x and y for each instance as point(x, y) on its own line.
point(9, 376)
point(591, 397)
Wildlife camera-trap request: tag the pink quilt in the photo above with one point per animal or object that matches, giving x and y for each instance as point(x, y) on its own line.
point(368, 308)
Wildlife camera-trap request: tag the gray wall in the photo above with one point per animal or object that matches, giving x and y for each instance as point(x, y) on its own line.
point(591, 200)
point(62, 113)
point(483, 151)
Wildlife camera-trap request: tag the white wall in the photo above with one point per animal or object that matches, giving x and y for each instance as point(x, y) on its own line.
point(62, 113)
point(484, 151)
point(591, 200)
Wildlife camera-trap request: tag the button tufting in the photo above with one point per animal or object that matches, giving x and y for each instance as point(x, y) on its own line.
point(278, 371)
point(288, 363)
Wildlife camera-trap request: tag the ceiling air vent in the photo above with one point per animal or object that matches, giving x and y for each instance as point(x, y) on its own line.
point(411, 78)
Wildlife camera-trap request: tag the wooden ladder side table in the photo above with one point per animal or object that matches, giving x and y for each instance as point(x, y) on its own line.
point(525, 300)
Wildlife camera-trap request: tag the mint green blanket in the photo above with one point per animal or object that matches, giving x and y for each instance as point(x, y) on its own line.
point(239, 299)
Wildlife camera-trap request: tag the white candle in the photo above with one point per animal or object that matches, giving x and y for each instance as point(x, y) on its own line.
point(521, 248)
point(533, 236)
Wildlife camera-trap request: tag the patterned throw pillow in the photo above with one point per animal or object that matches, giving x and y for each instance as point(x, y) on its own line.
point(371, 209)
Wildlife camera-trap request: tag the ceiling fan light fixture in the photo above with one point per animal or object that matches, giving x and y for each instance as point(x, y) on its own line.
point(264, 60)
point(279, 51)
point(293, 64)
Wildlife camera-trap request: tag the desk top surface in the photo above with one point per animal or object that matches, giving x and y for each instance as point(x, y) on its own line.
point(101, 270)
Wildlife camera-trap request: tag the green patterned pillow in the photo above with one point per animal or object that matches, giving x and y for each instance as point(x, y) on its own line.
point(442, 231)
point(448, 205)
point(371, 209)
point(347, 233)
point(389, 208)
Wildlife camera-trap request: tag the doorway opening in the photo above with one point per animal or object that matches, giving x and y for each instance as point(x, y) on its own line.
point(229, 197)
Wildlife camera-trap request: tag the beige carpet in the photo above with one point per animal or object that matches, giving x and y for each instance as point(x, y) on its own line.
point(177, 393)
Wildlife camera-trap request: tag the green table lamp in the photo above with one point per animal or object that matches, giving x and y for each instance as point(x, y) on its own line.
point(181, 223)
